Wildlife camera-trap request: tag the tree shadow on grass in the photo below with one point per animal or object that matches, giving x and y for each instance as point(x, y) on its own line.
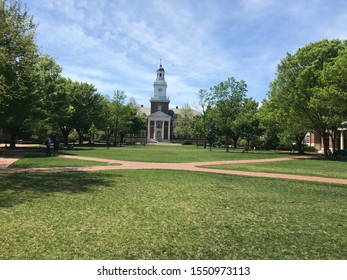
point(25, 187)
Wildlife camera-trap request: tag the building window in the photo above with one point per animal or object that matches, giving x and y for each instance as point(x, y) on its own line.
point(159, 124)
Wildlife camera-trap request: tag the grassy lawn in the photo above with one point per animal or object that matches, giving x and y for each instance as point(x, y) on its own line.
point(158, 214)
point(171, 153)
point(30, 161)
point(310, 167)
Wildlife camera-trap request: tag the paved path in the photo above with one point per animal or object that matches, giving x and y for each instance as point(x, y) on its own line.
point(8, 160)
point(190, 166)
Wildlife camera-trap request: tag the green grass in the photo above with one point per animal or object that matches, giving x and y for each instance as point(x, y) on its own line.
point(171, 153)
point(309, 167)
point(158, 214)
point(31, 161)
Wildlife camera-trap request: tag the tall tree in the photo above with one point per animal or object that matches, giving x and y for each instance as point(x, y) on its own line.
point(138, 121)
point(60, 107)
point(247, 124)
point(332, 97)
point(48, 77)
point(302, 86)
point(290, 125)
point(202, 124)
point(87, 104)
point(118, 121)
point(19, 55)
point(184, 121)
point(228, 97)
point(270, 126)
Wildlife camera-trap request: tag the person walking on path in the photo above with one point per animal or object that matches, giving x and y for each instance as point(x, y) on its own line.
point(48, 146)
point(56, 146)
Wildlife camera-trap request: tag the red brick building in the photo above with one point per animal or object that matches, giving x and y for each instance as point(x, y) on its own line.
point(316, 141)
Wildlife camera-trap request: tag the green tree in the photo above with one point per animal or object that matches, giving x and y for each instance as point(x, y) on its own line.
point(138, 121)
point(48, 77)
point(87, 104)
point(60, 107)
point(117, 117)
point(247, 124)
point(202, 125)
point(184, 121)
point(228, 97)
point(270, 126)
point(290, 125)
point(303, 86)
point(332, 97)
point(19, 55)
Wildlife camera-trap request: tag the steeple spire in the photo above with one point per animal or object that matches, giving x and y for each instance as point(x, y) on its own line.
point(160, 84)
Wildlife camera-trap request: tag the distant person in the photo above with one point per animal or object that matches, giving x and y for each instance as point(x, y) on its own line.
point(48, 146)
point(56, 146)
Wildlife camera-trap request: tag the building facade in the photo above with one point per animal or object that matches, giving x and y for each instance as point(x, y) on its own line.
point(315, 140)
point(159, 121)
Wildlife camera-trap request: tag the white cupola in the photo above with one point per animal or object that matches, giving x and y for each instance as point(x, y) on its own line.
point(160, 85)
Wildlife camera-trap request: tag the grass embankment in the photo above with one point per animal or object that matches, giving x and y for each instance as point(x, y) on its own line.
point(307, 167)
point(156, 214)
point(39, 161)
point(171, 153)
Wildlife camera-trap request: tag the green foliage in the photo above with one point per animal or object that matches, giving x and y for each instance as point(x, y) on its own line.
point(310, 92)
point(19, 55)
point(270, 125)
point(186, 142)
point(247, 122)
point(184, 121)
point(221, 106)
point(228, 98)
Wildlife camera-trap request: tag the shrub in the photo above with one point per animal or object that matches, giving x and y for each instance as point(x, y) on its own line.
point(186, 142)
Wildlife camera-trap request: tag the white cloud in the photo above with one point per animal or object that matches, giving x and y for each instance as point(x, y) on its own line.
point(118, 44)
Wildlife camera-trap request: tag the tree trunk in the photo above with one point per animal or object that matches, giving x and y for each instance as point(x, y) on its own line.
point(299, 139)
point(227, 144)
point(121, 140)
point(333, 139)
point(115, 140)
point(80, 137)
point(108, 135)
point(248, 143)
point(13, 136)
point(235, 139)
point(66, 138)
point(325, 137)
point(65, 131)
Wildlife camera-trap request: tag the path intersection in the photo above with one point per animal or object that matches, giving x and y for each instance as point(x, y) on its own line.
point(190, 166)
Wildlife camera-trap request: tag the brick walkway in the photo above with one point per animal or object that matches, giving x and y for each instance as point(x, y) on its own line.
point(191, 166)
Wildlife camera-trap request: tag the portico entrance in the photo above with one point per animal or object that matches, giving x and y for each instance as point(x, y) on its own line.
point(159, 126)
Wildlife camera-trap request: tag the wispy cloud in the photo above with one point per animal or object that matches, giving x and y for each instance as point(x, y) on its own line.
point(118, 44)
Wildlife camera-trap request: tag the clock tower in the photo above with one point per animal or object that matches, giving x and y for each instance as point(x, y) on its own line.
point(159, 121)
point(159, 101)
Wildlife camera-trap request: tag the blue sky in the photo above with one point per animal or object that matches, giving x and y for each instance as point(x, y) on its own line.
point(116, 44)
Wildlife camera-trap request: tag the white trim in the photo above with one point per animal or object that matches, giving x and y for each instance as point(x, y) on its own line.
point(342, 140)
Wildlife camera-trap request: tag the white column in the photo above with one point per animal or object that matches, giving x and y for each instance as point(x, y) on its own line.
point(149, 129)
point(341, 140)
point(169, 129)
point(155, 130)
